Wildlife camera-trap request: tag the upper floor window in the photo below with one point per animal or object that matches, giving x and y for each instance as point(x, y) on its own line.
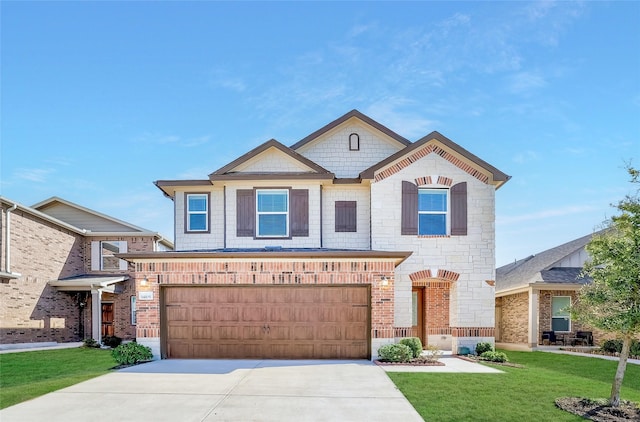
point(197, 212)
point(560, 318)
point(103, 255)
point(272, 212)
point(433, 205)
point(434, 211)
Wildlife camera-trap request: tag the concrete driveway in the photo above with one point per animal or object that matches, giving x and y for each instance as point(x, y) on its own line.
point(226, 390)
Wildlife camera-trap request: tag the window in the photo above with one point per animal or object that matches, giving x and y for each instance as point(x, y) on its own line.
point(103, 255)
point(133, 310)
point(354, 142)
point(432, 211)
point(346, 214)
point(197, 212)
point(560, 319)
point(272, 211)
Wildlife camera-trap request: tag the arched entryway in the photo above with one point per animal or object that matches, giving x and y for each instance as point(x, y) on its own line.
point(430, 306)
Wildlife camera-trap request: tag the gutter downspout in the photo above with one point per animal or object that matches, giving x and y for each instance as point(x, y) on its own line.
point(7, 265)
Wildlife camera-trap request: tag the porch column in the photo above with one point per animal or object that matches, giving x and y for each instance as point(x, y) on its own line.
point(533, 318)
point(96, 315)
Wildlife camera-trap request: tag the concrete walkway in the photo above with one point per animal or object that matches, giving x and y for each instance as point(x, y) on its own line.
point(224, 390)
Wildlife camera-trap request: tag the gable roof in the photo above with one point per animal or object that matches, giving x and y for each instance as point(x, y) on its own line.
point(34, 212)
point(78, 226)
point(541, 267)
point(227, 172)
point(83, 217)
point(496, 176)
point(353, 113)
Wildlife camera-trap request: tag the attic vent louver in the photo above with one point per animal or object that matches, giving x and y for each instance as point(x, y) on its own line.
point(354, 142)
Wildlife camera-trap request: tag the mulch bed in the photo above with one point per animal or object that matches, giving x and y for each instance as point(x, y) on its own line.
point(599, 410)
point(415, 362)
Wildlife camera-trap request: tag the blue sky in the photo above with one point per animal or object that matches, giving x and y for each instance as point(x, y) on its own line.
point(100, 99)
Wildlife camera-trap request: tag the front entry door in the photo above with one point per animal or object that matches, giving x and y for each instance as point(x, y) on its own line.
point(107, 319)
point(417, 311)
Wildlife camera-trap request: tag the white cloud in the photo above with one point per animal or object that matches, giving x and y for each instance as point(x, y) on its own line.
point(38, 175)
point(525, 156)
point(525, 82)
point(160, 139)
point(544, 214)
point(408, 124)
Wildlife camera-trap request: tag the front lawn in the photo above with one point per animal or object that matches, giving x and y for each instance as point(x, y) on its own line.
point(519, 394)
point(26, 375)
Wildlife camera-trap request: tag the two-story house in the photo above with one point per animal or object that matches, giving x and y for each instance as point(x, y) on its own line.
point(349, 239)
point(60, 280)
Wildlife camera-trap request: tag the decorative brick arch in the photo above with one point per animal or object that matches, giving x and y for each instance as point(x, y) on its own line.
point(428, 180)
point(423, 152)
point(426, 276)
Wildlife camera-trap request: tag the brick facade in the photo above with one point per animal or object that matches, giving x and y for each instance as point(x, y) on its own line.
point(514, 322)
point(158, 273)
point(31, 310)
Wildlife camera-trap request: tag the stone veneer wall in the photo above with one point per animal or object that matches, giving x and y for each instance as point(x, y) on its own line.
point(515, 311)
point(266, 272)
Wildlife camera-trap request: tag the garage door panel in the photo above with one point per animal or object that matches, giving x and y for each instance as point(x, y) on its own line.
point(303, 322)
point(201, 314)
point(201, 333)
point(179, 332)
point(254, 313)
point(177, 313)
point(226, 313)
point(303, 332)
point(227, 332)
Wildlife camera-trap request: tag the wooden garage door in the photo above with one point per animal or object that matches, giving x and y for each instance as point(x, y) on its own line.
point(267, 322)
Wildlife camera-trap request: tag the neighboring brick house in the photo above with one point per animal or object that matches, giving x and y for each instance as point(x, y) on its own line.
point(532, 296)
point(59, 278)
point(345, 241)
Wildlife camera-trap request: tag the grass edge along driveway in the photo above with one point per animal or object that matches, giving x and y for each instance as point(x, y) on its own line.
point(518, 394)
point(26, 375)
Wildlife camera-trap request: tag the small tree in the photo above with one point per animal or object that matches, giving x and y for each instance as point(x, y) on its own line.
point(612, 302)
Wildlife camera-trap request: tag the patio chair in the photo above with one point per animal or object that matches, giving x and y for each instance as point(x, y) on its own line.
point(550, 336)
point(585, 337)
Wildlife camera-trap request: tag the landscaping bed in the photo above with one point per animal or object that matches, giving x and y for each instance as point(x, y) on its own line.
point(599, 410)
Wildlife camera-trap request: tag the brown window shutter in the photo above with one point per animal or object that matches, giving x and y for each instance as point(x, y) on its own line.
point(459, 209)
point(346, 216)
point(245, 213)
point(300, 212)
point(409, 208)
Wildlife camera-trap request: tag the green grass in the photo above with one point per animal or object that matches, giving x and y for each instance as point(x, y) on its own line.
point(26, 375)
point(519, 394)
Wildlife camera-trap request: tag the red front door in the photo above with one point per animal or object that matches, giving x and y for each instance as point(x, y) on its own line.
point(107, 319)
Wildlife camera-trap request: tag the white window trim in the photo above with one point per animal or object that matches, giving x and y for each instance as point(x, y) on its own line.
point(259, 213)
point(97, 258)
point(447, 213)
point(560, 316)
point(134, 318)
point(205, 212)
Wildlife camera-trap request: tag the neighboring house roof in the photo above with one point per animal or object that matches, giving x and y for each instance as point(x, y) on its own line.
point(306, 167)
point(68, 215)
point(494, 175)
point(344, 118)
point(543, 267)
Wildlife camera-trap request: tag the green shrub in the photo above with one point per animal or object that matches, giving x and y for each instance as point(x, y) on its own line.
point(131, 353)
point(414, 344)
point(395, 353)
point(615, 346)
point(111, 341)
point(612, 346)
point(483, 347)
point(89, 342)
point(494, 356)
